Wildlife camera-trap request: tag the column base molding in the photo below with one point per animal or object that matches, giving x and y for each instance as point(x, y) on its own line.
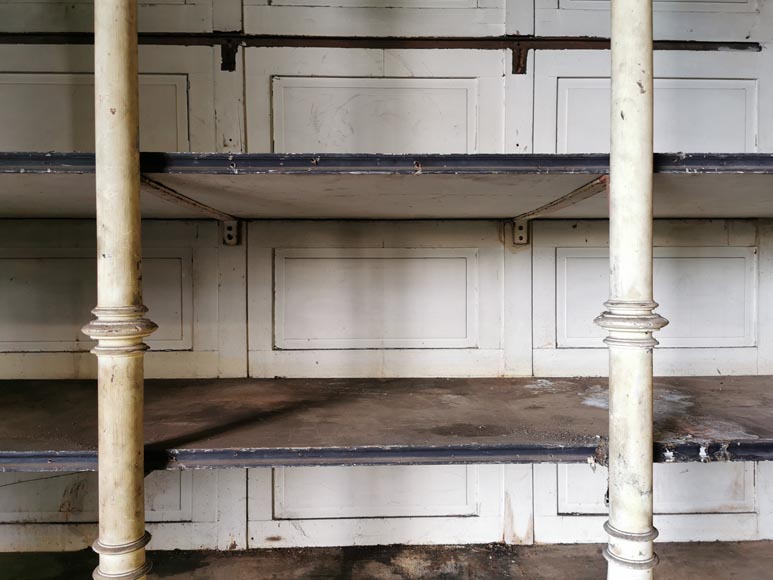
point(644, 537)
point(121, 550)
point(131, 575)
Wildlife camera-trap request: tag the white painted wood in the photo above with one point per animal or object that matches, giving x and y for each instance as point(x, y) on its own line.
point(229, 99)
point(519, 108)
point(459, 96)
point(54, 112)
point(765, 499)
point(736, 20)
point(338, 115)
point(375, 17)
point(176, 112)
point(694, 488)
point(519, 17)
point(375, 298)
point(227, 15)
point(518, 511)
point(704, 102)
point(402, 505)
point(334, 342)
point(194, 285)
point(49, 292)
point(375, 492)
point(78, 16)
point(714, 518)
point(517, 327)
point(685, 282)
point(184, 510)
point(765, 322)
point(686, 252)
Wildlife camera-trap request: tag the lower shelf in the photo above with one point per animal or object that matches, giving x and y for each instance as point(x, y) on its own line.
point(219, 423)
point(494, 561)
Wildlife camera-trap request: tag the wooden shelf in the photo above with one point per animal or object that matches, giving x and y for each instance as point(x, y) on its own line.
point(273, 186)
point(52, 425)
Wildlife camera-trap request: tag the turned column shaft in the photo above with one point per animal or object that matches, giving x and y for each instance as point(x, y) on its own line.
point(120, 325)
point(629, 318)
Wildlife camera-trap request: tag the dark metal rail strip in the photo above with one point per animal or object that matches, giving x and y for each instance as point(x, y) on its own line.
point(269, 163)
point(229, 42)
point(155, 459)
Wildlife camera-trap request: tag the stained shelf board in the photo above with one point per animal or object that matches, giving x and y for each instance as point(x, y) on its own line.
point(189, 424)
point(332, 186)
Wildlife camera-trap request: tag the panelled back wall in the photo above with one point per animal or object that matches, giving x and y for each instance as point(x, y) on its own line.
point(414, 298)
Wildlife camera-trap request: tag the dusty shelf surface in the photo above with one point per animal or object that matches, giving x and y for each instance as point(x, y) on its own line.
point(693, 561)
point(52, 425)
point(356, 186)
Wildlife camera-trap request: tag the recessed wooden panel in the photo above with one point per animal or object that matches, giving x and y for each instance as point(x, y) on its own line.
point(678, 488)
point(669, 5)
point(380, 3)
point(72, 497)
point(376, 298)
point(386, 115)
point(46, 297)
point(691, 115)
point(55, 112)
point(707, 294)
point(375, 492)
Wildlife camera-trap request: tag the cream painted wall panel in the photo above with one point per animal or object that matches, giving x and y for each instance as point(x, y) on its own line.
point(713, 332)
point(394, 101)
point(78, 16)
point(685, 282)
point(202, 329)
point(682, 107)
point(72, 497)
point(375, 492)
point(375, 298)
point(46, 296)
point(177, 98)
point(692, 488)
point(568, 506)
point(705, 102)
point(55, 112)
point(728, 20)
point(339, 506)
point(340, 115)
point(377, 17)
point(191, 510)
point(451, 271)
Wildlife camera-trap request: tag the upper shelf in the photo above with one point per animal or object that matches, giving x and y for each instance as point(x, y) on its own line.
point(342, 186)
point(52, 425)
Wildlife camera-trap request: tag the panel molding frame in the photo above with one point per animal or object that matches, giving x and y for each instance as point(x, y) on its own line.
point(487, 359)
point(283, 510)
point(488, 69)
point(281, 84)
point(550, 361)
point(470, 256)
point(748, 254)
point(216, 345)
point(195, 63)
point(552, 66)
point(673, 19)
point(265, 531)
point(376, 17)
point(552, 527)
point(218, 502)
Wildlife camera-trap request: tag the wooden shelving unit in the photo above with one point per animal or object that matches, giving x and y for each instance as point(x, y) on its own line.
point(226, 423)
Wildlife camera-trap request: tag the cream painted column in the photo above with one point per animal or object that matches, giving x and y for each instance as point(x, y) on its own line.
point(120, 325)
point(629, 318)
